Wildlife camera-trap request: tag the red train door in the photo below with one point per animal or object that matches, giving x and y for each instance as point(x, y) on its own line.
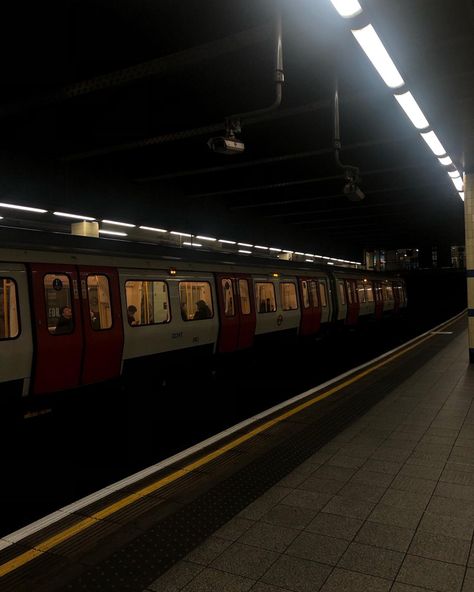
point(310, 310)
point(246, 308)
point(396, 296)
point(103, 329)
point(316, 302)
point(352, 303)
point(57, 327)
point(378, 300)
point(228, 340)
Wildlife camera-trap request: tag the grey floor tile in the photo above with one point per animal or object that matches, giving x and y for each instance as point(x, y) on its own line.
point(382, 466)
point(451, 475)
point(449, 526)
point(420, 472)
point(342, 580)
point(414, 484)
point(385, 536)
point(344, 506)
point(211, 580)
point(302, 498)
point(269, 536)
point(314, 483)
point(293, 479)
point(468, 585)
point(440, 548)
point(208, 550)
point(434, 575)
point(426, 460)
point(455, 491)
point(341, 527)
point(393, 455)
point(348, 462)
point(361, 491)
point(262, 587)
point(397, 587)
point(372, 478)
point(405, 500)
point(451, 507)
point(291, 516)
point(233, 529)
point(337, 473)
point(298, 575)
point(176, 578)
point(374, 561)
point(260, 506)
point(245, 560)
point(393, 516)
point(317, 547)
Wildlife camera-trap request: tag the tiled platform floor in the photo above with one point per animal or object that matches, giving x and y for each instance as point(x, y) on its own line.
point(387, 505)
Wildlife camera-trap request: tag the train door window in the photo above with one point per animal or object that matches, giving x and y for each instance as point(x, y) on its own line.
point(305, 293)
point(314, 293)
point(9, 321)
point(288, 296)
point(342, 293)
point(265, 300)
point(228, 297)
point(369, 292)
point(59, 311)
point(361, 291)
point(350, 296)
point(244, 297)
point(98, 295)
point(196, 301)
point(147, 302)
point(323, 294)
point(389, 292)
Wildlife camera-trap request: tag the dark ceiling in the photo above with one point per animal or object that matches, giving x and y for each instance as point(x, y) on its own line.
point(107, 106)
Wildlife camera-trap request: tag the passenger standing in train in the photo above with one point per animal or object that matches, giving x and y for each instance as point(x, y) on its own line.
point(131, 310)
point(65, 323)
point(202, 310)
point(95, 321)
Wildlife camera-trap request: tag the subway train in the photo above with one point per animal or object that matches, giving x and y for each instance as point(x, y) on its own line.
point(94, 310)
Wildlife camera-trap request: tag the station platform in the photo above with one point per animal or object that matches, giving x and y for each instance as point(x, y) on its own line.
point(365, 483)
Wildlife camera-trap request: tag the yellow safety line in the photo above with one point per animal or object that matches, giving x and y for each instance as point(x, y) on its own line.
point(66, 534)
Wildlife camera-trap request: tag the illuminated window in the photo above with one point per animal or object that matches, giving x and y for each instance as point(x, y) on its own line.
point(98, 294)
point(342, 293)
point(265, 300)
point(228, 297)
point(196, 301)
point(389, 293)
point(369, 292)
point(288, 296)
point(361, 291)
point(305, 293)
point(350, 296)
point(314, 293)
point(59, 310)
point(147, 302)
point(323, 294)
point(9, 321)
point(244, 297)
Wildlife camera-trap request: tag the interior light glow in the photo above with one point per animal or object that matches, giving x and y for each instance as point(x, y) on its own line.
point(309, 261)
point(114, 232)
point(454, 174)
point(119, 223)
point(378, 55)
point(244, 245)
point(289, 252)
point(65, 215)
point(26, 208)
point(435, 145)
point(412, 109)
point(308, 255)
point(324, 257)
point(458, 183)
point(152, 229)
point(227, 242)
point(1, 217)
point(347, 8)
point(180, 233)
point(246, 252)
point(261, 248)
point(446, 160)
point(276, 250)
point(207, 238)
point(461, 195)
point(192, 244)
point(298, 253)
point(330, 263)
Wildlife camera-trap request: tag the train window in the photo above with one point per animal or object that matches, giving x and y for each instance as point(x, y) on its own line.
point(98, 294)
point(305, 293)
point(9, 322)
point(342, 294)
point(369, 292)
point(244, 297)
point(390, 292)
point(288, 296)
point(59, 311)
point(196, 301)
point(361, 291)
point(314, 293)
point(323, 294)
point(265, 300)
point(228, 297)
point(350, 295)
point(147, 302)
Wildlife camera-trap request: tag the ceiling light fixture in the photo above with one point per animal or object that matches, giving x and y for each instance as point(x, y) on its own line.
point(119, 223)
point(454, 174)
point(435, 145)
point(458, 183)
point(370, 42)
point(445, 160)
point(412, 109)
point(461, 195)
point(25, 208)
point(246, 252)
point(244, 245)
point(207, 238)
point(175, 232)
point(261, 248)
point(227, 242)
point(77, 216)
point(347, 8)
point(114, 232)
point(152, 229)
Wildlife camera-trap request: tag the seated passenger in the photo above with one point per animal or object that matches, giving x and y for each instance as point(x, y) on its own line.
point(65, 323)
point(131, 310)
point(202, 310)
point(95, 321)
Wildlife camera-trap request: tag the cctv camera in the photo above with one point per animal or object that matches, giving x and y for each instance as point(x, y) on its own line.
point(353, 192)
point(225, 145)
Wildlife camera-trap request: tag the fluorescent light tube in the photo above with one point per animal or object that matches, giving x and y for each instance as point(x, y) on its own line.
point(181, 233)
point(378, 55)
point(309, 261)
point(65, 215)
point(458, 183)
point(26, 208)
point(244, 245)
point(412, 109)
point(289, 252)
point(276, 250)
point(227, 242)
point(446, 160)
point(207, 238)
point(454, 174)
point(262, 248)
point(298, 253)
point(246, 252)
point(192, 244)
point(432, 140)
point(461, 195)
point(347, 8)
point(119, 223)
point(152, 229)
point(114, 232)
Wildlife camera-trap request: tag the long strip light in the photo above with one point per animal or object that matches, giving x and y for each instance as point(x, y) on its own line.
point(25, 208)
point(445, 161)
point(227, 242)
point(412, 109)
point(113, 232)
point(370, 42)
point(347, 8)
point(175, 232)
point(162, 230)
point(126, 224)
point(433, 142)
point(207, 238)
point(454, 174)
point(458, 183)
point(461, 195)
point(76, 216)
